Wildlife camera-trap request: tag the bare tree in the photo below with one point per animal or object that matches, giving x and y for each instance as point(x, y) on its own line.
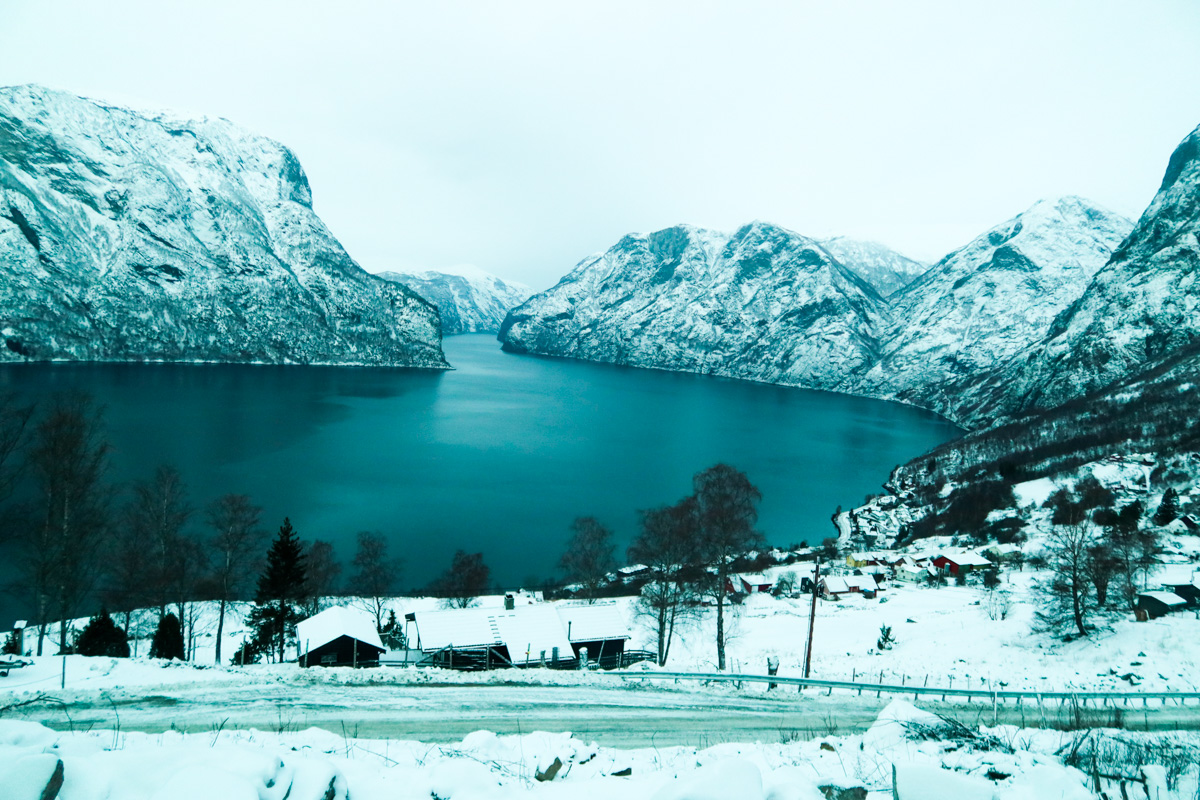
point(466, 579)
point(68, 460)
point(726, 504)
point(667, 543)
point(156, 517)
point(235, 549)
point(1068, 594)
point(375, 573)
point(324, 569)
point(589, 555)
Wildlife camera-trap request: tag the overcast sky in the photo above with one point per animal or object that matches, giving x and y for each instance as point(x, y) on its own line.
point(522, 136)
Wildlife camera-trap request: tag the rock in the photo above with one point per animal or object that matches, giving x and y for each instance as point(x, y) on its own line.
point(550, 772)
point(837, 791)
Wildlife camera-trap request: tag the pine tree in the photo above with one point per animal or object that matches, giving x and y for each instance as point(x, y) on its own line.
point(12, 645)
point(886, 639)
point(1168, 509)
point(102, 637)
point(281, 590)
point(168, 639)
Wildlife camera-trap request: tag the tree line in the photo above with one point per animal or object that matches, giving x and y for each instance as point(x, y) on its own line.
point(690, 548)
point(78, 541)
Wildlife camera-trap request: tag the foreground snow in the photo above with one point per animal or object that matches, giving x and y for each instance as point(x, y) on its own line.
point(1000, 763)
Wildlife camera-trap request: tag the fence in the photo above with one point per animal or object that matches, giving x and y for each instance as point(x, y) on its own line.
point(993, 696)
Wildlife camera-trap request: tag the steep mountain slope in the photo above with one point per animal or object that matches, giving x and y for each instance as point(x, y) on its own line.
point(1139, 309)
point(992, 298)
point(763, 303)
point(132, 237)
point(886, 270)
point(470, 300)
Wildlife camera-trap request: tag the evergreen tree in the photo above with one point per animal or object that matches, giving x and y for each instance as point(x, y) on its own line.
point(1168, 509)
point(12, 645)
point(168, 639)
point(102, 637)
point(281, 590)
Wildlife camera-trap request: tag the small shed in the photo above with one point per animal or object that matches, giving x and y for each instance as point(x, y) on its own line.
point(961, 563)
point(338, 636)
point(1190, 592)
point(1158, 604)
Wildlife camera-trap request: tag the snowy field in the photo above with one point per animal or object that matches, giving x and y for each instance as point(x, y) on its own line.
point(927, 759)
point(944, 637)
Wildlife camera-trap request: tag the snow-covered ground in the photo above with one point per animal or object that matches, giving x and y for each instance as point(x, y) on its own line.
point(944, 637)
point(1003, 763)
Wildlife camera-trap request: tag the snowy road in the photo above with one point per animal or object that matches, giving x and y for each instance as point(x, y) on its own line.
point(616, 717)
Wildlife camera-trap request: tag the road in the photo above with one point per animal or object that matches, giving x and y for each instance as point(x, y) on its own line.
point(615, 717)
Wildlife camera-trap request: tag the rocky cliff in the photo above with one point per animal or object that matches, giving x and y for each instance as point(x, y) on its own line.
point(469, 301)
point(129, 237)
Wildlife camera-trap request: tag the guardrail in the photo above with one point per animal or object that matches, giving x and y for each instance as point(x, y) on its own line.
point(993, 696)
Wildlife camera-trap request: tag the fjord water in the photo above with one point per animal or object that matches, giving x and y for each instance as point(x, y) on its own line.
point(496, 456)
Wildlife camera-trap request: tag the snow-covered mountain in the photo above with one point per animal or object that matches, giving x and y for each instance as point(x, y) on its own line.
point(470, 300)
point(763, 303)
point(987, 301)
point(129, 236)
point(769, 304)
point(1141, 310)
point(885, 269)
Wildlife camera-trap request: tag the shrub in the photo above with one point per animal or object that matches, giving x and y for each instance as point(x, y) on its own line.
point(102, 637)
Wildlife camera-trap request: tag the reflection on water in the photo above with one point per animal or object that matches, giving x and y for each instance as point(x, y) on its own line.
point(498, 455)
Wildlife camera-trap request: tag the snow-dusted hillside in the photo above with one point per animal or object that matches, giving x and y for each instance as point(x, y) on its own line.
point(992, 298)
point(1138, 312)
point(768, 304)
point(882, 267)
point(469, 300)
point(762, 303)
point(133, 237)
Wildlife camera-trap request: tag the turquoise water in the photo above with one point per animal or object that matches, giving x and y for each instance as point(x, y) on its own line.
point(498, 455)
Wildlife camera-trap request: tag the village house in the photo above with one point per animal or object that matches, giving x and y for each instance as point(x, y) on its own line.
point(960, 563)
point(834, 587)
point(749, 583)
point(339, 636)
point(523, 636)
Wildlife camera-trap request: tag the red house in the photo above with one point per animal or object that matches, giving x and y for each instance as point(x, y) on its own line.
point(955, 563)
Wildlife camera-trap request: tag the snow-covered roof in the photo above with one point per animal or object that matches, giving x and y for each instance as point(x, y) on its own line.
point(594, 622)
point(1003, 549)
point(835, 584)
point(334, 623)
point(967, 559)
point(523, 630)
point(861, 583)
point(754, 578)
point(633, 569)
point(1166, 598)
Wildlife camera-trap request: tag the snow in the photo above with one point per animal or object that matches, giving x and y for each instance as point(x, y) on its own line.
point(527, 631)
point(1035, 492)
point(1166, 598)
point(103, 764)
point(335, 622)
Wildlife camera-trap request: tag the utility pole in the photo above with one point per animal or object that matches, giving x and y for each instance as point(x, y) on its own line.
point(812, 619)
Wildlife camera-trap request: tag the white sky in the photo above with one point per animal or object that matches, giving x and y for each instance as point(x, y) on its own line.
point(523, 136)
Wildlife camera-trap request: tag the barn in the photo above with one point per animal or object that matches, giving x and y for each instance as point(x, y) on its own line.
point(524, 636)
point(339, 636)
point(1159, 604)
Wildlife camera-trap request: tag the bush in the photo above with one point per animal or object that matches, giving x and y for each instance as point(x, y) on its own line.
point(12, 645)
point(168, 639)
point(102, 637)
